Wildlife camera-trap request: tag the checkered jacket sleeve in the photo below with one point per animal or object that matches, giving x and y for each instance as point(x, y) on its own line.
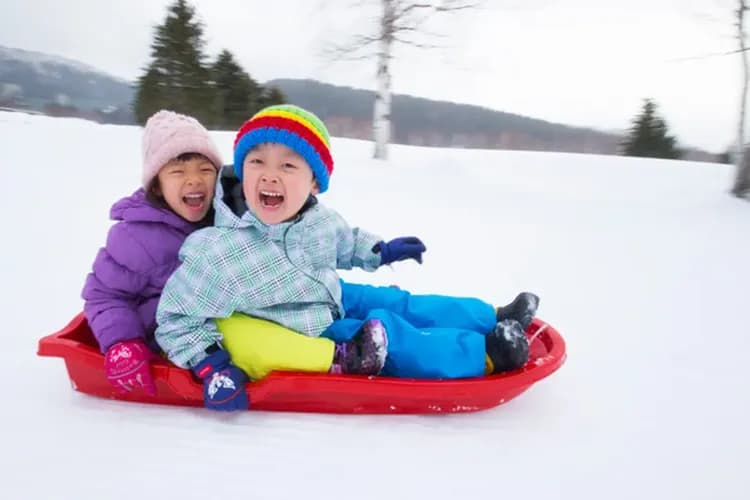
point(354, 246)
point(194, 295)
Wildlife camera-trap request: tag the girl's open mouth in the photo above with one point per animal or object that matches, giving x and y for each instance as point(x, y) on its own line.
point(194, 200)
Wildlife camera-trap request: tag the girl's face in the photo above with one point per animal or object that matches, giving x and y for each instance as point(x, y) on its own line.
point(188, 186)
point(276, 182)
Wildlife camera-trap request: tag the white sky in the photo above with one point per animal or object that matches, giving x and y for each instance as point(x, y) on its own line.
point(646, 282)
point(580, 62)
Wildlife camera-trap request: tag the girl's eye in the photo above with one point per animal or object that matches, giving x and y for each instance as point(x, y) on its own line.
point(177, 171)
point(207, 170)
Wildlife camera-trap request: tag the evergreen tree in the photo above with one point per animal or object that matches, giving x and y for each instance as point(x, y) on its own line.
point(649, 137)
point(237, 95)
point(148, 96)
point(270, 96)
point(177, 77)
point(725, 157)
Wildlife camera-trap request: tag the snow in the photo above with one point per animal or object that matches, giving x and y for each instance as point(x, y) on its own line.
point(640, 264)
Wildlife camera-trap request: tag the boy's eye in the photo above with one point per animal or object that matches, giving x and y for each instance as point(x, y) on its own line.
point(290, 166)
point(254, 161)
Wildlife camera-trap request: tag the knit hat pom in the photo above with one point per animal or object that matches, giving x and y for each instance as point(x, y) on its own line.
point(167, 135)
point(294, 127)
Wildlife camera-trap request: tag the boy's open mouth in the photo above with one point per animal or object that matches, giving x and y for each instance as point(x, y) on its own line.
point(194, 200)
point(271, 199)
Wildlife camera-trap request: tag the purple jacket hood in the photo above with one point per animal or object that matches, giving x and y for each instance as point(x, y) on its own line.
point(129, 272)
point(135, 208)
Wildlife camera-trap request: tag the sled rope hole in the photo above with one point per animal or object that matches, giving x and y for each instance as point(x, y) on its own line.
point(536, 333)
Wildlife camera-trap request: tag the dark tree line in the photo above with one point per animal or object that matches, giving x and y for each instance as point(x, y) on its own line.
point(180, 77)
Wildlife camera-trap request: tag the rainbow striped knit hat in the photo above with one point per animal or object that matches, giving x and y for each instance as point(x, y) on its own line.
point(294, 127)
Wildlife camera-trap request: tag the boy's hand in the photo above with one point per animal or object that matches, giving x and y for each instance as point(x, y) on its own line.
point(223, 383)
point(407, 247)
point(128, 366)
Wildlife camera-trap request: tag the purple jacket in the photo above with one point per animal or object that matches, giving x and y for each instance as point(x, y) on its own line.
point(123, 290)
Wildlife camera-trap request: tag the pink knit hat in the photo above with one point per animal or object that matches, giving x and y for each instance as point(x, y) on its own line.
point(167, 135)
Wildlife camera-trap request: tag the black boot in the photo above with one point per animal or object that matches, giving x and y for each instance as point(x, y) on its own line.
point(522, 309)
point(507, 346)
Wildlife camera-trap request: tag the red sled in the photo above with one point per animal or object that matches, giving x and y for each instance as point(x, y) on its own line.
point(320, 393)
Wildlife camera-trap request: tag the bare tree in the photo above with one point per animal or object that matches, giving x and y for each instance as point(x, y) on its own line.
point(742, 181)
point(741, 186)
point(399, 22)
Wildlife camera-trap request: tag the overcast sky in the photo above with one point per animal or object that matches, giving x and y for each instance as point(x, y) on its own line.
point(579, 62)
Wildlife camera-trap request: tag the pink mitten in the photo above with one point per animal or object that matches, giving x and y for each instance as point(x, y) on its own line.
point(127, 365)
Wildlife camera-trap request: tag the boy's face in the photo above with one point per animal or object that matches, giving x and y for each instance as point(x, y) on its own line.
point(276, 182)
point(188, 187)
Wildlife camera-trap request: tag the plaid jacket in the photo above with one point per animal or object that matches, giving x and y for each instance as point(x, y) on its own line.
point(285, 273)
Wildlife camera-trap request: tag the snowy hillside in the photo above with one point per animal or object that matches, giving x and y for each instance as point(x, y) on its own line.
point(641, 265)
point(44, 63)
point(35, 80)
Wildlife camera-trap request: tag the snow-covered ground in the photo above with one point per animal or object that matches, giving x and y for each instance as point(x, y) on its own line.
point(642, 265)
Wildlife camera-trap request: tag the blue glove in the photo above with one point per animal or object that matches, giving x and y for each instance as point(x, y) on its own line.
point(407, 247)
point(223, 383)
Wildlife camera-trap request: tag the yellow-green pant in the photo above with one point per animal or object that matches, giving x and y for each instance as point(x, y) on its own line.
point(259, 347)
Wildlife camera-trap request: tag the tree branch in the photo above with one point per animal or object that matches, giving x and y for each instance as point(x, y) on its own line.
point(449, 5)
point(348, 52)
point(708, 56)
point(418, 45)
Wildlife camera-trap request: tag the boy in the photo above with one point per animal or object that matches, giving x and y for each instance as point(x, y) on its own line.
point(278, 261)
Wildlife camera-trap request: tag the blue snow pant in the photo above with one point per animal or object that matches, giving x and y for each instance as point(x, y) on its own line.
point(429, 336)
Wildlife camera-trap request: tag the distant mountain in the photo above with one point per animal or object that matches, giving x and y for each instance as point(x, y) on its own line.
point(55, 85)
point(348, 113)
point(62, 87)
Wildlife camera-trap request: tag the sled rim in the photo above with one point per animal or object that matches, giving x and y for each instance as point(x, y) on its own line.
point(327, 393)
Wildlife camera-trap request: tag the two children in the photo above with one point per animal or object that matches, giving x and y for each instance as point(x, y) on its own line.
point(179, 175)
point(276, 258)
